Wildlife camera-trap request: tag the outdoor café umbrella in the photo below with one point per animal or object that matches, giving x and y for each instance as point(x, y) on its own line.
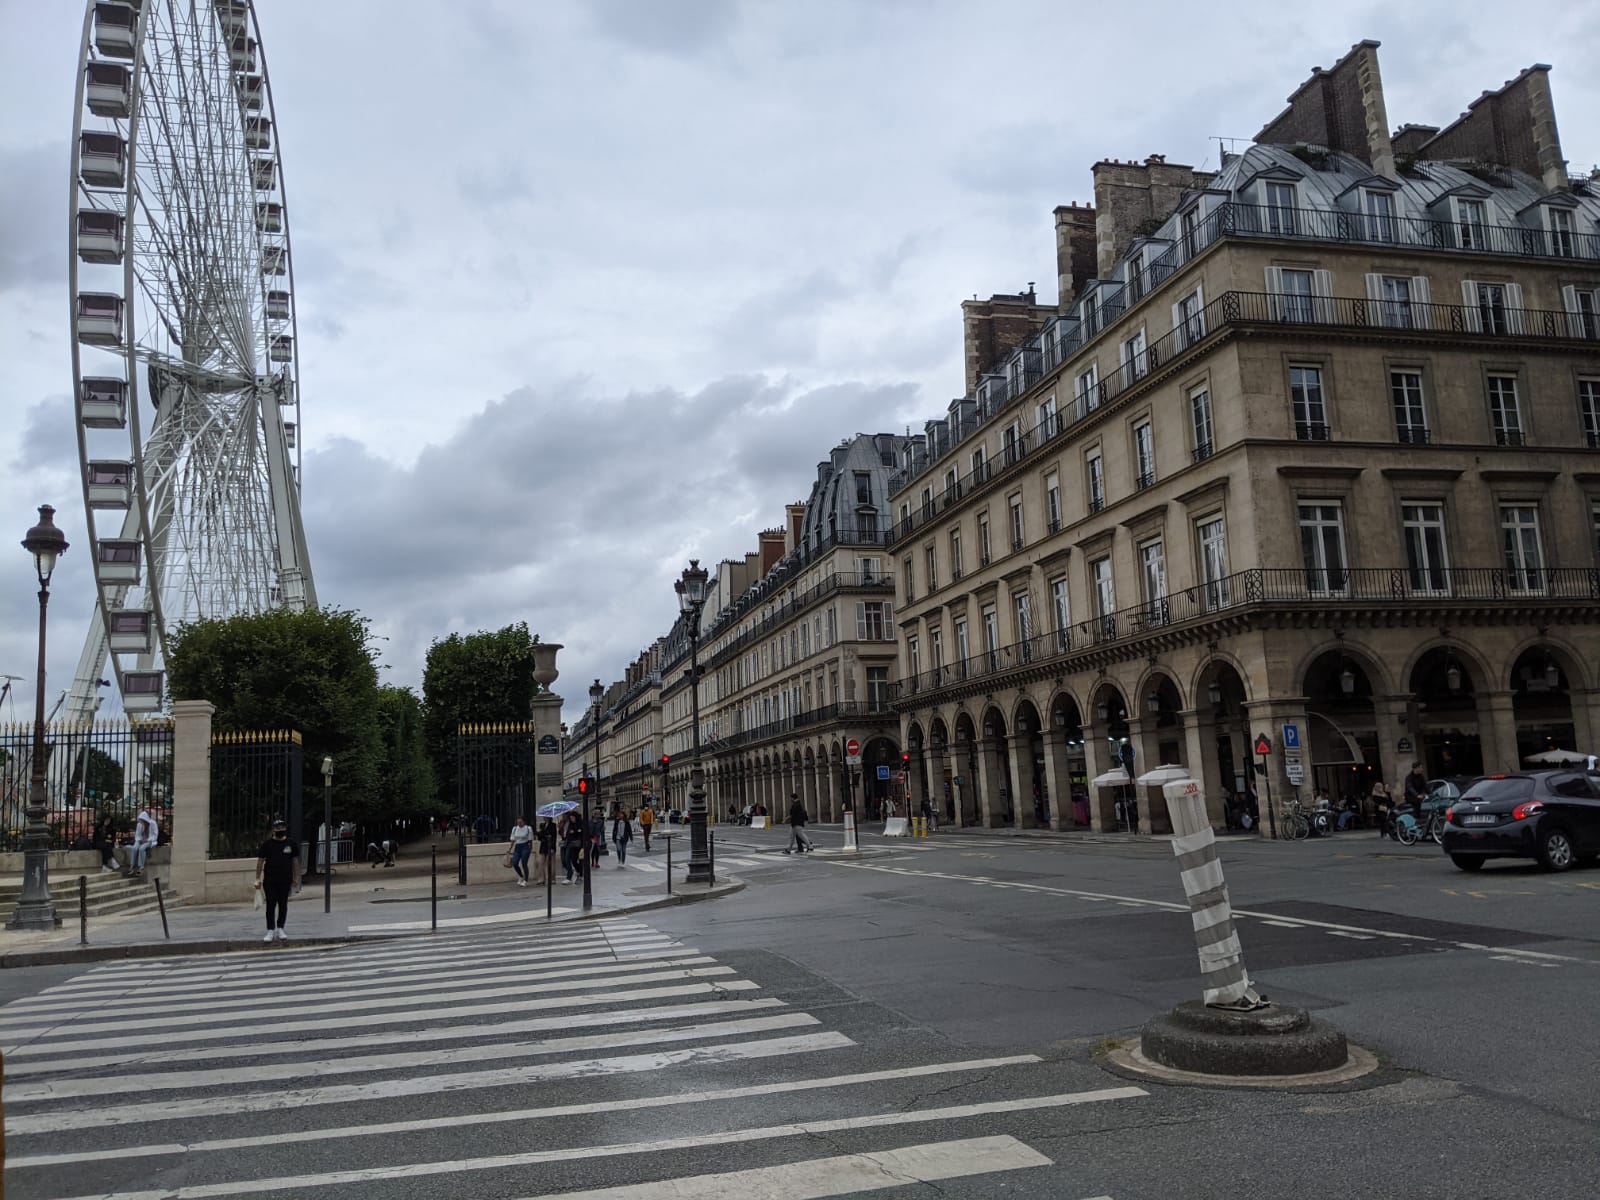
point(555, 808)
point(1557, 758)
point(1114, 778)
point(1157, 776)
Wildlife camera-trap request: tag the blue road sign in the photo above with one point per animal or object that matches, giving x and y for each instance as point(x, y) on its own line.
point(883, 772)
point(1291, 737)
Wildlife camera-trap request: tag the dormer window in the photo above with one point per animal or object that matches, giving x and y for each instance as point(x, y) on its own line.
point(1133, 273)
point(1380, 212)
point(1558, 221)
point(1471, 231)
point(1279, 206)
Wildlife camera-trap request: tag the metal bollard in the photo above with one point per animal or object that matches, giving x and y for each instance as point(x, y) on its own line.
point(668, 840)
point(162, 903)
point(711, 859)
point(433, 881)
point(549, 885)
point(83, 910)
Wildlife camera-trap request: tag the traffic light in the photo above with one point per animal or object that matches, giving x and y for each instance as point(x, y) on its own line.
point(905, 758)
point(584, 786)
point(666, 761)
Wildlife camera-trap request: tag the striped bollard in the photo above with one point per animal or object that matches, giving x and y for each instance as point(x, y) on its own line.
point(1224, 982)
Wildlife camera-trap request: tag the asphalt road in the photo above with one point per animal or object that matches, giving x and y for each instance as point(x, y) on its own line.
point(925, 1021)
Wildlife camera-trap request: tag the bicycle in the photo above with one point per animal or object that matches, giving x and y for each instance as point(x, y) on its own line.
point(1293, 824)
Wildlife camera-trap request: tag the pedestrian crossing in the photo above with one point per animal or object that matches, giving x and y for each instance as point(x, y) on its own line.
point(602, 1060)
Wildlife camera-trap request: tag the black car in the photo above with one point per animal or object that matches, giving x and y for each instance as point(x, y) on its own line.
point(1552, 816)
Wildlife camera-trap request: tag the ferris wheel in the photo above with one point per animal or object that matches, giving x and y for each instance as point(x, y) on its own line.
point(183, 348)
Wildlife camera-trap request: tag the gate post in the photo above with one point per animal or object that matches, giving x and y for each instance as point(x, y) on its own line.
point(191, 796)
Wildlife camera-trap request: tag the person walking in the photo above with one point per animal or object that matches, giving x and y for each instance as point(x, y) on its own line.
point(647, 822)
point(521, 849)
point(572, 847)
point(798, 841)
point(547, 850)
point(277, 874)
point(145, 835)
point(621, 835)
point(104, 840)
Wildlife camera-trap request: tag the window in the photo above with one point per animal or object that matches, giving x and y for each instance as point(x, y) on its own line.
point(1280, 208)
point(1308, 403)
point(1134, 360)
point(1589, 411)
point(863, 487)
point(833, 685)
point(1214, 563)
point(1153, 574)
point(872, 620)
point(1010, 445)
point(1049, 424)
point(963, 650)
point(955, 553)
point(867, 524)
point(985, 551)
point(1015, 504)
point(1088, 389)
point(1425, 547)
point(991, 636)
point(911, 580)
point(1200, 422)
point(877, 689)
point(832, 621)
point(871, 569)
point(1061, 612)
point(1405, 392)
point(931, 562)
point(1322, 548)
point(1470, 224)
point(1299, 294)
point(1022, 610)
point(1400, 300)
point(1492, 316)
point(1519, 535)
point(1095, 474)
point(980, 466)
point(1188, 319)
point(1190, 225)
point(1105, 599)
point(914, 655)
point(1594, 525)
point(952, 487)
point(1144, 454)
point(1583, 312)
point(1505, 416)
point(1380, 214)
point(1052, 500)
point(936, 647)
point(1560, 222)
point(927, 502)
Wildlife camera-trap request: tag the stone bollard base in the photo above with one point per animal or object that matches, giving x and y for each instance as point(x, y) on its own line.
point(1274, 1040)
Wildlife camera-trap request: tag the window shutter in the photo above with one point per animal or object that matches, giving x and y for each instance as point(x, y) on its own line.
point(1469, 304)
point(1374, 287)
point(1421, 299)
point(1182, 337)
point(1569, 301)
point(1275, 293)
point(861, 621)
point(1322, 288)
point(888, 616)
point(1514, 315)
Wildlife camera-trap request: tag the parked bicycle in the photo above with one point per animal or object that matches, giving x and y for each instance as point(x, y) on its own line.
point(1410, 831)
point(1293, 823)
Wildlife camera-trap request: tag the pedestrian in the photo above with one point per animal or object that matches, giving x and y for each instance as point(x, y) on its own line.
point(547, 851)
point(930, 820)
point(146, 833)
point(621, 835)
point(521, 849)
point(1382, 809)
point(798, 841)
point(647, 821)
point(572, 847)
point(104, 840)
point(277, 874)
point(1416, 791)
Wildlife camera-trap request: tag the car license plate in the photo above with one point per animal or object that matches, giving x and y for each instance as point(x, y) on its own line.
point(1479, 819)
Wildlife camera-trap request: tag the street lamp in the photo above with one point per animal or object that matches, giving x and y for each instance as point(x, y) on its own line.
point(691, 589)
point(35, 910)
point(595, 694)
point(327, 834)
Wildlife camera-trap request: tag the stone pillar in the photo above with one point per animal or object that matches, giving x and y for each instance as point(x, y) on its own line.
point(1147, 755)
point(1019, 758)
point(1269, 717)
point(1096, 761)
point(1497, 727)
point(547, 776)
point(1585, 721)
point(1199, 749)
point(1058, 777)
point(917, 781)
point(991, 805)
point(191, 798)
point(1393, 716)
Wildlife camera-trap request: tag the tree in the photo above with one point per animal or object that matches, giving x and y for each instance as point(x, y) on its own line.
point(481, 677)
point(313, 671)
point(405, 775)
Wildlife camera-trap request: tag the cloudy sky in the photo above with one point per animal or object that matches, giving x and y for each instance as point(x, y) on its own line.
point(586, 287)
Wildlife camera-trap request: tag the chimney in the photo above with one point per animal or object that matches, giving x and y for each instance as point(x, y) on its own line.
point(1131, 200)
point(1513, 127)
point(1341, 108)
point(797, 518)
point(1075, 252)
point(994, 327)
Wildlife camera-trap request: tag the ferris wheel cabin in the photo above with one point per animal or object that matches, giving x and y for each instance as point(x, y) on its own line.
point(282, 349)
point(131, 631)
point(103, 404)
point(110, 484)
point(107, 88)
point(235, 17)
point(265, 172)
point(274, 260)
point(102, 160)
point(243, 52)
point(99, 319)
point(117, 562)
point(99, 236)
point(258, 134)
point(251, 89)
point(116, 29)
point(269, 218)
point(278, 305)
point(141, 691)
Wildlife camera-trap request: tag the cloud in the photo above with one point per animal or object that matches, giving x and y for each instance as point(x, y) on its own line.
point(683, 28)
point(33, 223)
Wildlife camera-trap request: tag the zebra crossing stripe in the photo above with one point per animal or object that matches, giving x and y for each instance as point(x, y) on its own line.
point(301, 1027)
point(61, 1120)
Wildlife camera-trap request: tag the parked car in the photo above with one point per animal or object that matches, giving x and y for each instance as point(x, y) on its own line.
point(1551, 816)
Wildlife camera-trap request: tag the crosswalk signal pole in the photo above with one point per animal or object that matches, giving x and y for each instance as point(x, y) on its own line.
point(327, 835)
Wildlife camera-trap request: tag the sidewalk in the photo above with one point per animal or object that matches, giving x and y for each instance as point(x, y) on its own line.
point(367, 903)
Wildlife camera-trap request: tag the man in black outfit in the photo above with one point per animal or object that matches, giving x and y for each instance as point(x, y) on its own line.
point(277, 874)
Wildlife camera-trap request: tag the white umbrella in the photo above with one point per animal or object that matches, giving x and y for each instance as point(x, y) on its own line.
point(1116, 778)
point(1557, 758)
point(1157, 776)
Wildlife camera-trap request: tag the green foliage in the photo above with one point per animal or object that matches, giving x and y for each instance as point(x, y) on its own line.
point(312, 671)
point(480, 677)
point(405, 777)
point(104, 775)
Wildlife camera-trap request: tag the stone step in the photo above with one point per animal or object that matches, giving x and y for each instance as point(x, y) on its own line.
point(108, 896)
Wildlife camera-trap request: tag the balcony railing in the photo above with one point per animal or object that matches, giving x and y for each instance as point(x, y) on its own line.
point(854, 710)
point(1232, 310)
point(1263, 587)
point(794, 603)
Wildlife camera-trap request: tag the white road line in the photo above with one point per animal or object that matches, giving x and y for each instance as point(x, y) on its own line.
point(1284, 924)
point(1345, 933)
point(144, 1057)
point(1512, 958)
point(61, 1120)
point(110, 1085)
point(520, 1116)
point(170, 1025)
point(432, 1017)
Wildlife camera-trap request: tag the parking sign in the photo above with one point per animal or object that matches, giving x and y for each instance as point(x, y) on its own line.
point(1291, 737)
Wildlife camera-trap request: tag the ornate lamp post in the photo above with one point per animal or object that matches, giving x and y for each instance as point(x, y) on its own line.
point(691, 591)
point(35, 910)
point(327, 834)
point(596, 694)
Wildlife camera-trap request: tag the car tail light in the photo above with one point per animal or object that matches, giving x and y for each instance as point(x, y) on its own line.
point(1528, 808)
point(1449, 815)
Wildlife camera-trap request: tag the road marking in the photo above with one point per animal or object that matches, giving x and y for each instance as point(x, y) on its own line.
point(1345, 933)
point(1284, 924)
point(606, 1107)
point(60, 1120)
point(1524, 961)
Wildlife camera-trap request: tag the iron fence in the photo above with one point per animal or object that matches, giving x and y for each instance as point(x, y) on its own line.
point(494, 769)
point(106, 769)
point(256, 778)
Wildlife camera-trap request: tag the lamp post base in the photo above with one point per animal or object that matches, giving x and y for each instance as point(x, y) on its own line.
point(699, 850)
point(35, 916)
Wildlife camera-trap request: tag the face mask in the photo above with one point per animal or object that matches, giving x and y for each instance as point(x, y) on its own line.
point(280, 833)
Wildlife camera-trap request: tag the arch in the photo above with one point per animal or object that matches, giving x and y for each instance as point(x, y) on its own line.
point(1163, 682)
point(1474, 667)
point(938, 732)
point(1380, 681)
point(1568, 659)
point(1216, 667)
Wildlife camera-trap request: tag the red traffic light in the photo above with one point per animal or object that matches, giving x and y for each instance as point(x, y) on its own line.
point(666, 761)
point(905, 756)
point(583, 786)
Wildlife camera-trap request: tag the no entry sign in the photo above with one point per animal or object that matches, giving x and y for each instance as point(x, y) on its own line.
point(852, 751)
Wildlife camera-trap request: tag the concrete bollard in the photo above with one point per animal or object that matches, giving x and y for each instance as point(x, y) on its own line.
point(1223, 979)
point(850, 830)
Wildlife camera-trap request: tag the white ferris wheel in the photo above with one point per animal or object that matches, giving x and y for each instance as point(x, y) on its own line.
point(183, 347)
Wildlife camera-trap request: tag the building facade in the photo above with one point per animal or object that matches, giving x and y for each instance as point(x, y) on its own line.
point(1314, 452)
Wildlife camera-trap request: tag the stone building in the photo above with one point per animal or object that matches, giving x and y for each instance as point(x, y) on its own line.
point(1312, 451)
